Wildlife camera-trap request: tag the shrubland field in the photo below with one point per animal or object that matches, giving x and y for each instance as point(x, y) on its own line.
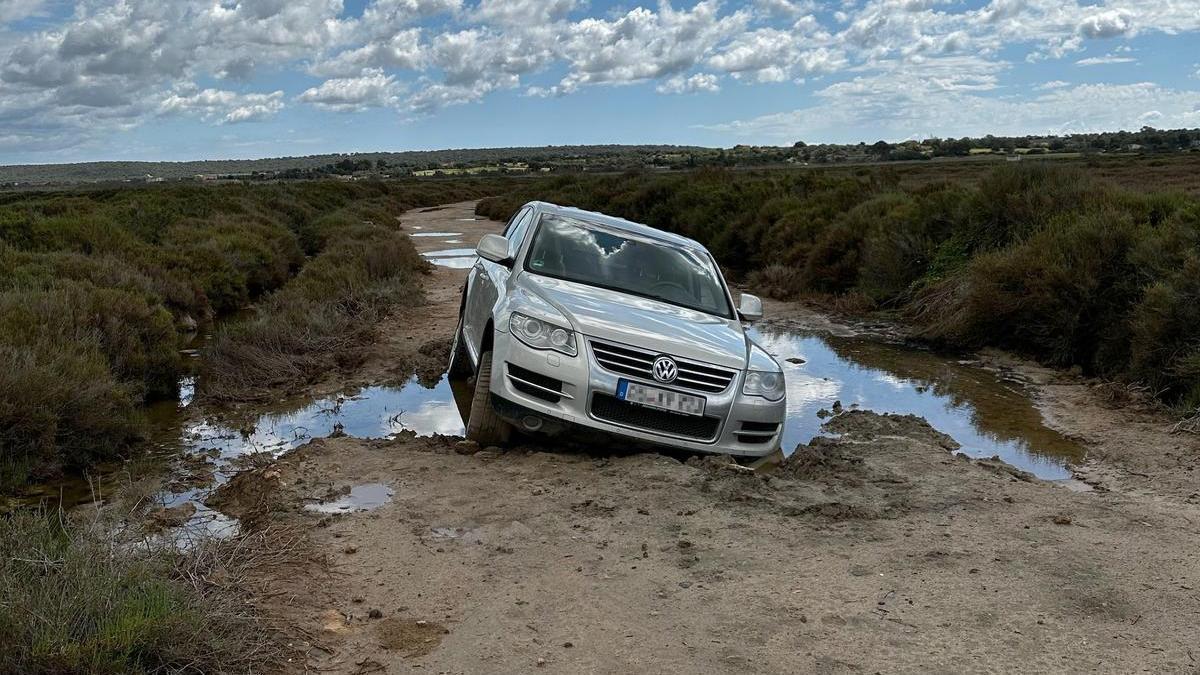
point(96, 288)
point(1076, 265)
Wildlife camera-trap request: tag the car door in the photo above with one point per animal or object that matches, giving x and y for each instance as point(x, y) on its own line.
point(487, 281)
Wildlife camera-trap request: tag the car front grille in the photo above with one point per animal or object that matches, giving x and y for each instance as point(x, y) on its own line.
point(612, 409)
point(637, 362)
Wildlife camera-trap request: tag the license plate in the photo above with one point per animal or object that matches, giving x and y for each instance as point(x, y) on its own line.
point(662, 399)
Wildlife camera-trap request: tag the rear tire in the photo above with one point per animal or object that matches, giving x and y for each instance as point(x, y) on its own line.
point(485, 427)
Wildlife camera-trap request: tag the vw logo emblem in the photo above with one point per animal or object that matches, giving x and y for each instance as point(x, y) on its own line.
point(665, 369)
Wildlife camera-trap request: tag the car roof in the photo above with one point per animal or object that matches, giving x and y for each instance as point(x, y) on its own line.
point(614, 223)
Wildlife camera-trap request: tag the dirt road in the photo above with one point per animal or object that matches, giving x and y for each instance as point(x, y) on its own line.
point(876, 551)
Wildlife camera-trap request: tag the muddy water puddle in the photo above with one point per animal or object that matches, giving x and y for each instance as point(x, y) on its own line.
point(366, 497)
point(456, 258)
point(987, 413)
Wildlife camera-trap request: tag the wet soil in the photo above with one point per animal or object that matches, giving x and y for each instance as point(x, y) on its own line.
point(872, 548)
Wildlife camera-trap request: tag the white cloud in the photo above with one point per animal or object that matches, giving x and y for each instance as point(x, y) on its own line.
point(226, 107)
point(700, 82)
point(519, 13)
point(791, 9)
point(644, 45)
point(1107, 59)
point(111, 64)
point(1107, 24)
point(902, 106)
point(401, 50)
point(15, 10)
point(372, 89)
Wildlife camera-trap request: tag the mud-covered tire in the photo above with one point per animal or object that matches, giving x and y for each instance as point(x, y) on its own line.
point(484, 426)
point(459, 367)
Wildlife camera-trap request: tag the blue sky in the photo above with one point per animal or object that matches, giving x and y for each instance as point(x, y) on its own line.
point(206, 79)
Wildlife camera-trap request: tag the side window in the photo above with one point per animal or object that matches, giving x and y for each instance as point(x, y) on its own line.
point(512, 222)
point(519, 230)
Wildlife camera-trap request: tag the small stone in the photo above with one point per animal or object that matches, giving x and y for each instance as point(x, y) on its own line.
point(685, 584)
point(684, 544)
point(541, 662)
point(350, 549)
point(375, 614)
point(1062, 520)
point(466, 447)
point(568, 645)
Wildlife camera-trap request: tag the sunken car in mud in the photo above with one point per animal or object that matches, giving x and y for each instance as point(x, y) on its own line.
point(573, 320)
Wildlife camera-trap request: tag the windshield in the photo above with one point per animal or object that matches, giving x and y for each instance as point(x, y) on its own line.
point(569, 249)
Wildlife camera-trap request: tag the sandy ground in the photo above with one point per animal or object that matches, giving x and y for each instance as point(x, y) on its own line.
point(877, 551)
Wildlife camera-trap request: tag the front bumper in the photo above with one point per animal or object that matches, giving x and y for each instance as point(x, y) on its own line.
point(743, 426)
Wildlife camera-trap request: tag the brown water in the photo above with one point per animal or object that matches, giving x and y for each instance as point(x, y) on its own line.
point(988, 413)
point(366, 497)
point(985, 412)
point(457, 258)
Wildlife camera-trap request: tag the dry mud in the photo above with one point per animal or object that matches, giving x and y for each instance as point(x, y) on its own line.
point(875, 549)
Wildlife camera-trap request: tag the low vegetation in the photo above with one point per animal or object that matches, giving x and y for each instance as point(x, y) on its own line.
point(96, 288)
point(1050, 261)
point(83, 596)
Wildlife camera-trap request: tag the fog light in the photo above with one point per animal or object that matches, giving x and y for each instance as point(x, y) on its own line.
point(532, 422)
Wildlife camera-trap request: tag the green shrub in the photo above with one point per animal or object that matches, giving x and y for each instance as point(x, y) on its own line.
point(81, 597)
point(94, 282)
point(320, 322)
point(1050, 261)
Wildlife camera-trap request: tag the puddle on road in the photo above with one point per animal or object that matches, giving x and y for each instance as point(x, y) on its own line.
point(372, 412)
point(456, 258)
point(366, 497)
point(220, 447)
point(436, 234)
point(985, 413)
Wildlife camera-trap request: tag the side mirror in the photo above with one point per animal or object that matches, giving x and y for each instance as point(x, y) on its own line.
point(750, 308)
point(494, 247)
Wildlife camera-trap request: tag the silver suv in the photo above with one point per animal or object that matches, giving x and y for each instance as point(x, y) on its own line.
point(573, 319)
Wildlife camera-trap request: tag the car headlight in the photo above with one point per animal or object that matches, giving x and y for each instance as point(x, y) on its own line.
point(767, 385)
point(542, 334)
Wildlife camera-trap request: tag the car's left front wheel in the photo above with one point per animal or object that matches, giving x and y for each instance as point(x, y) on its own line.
point(484, 426)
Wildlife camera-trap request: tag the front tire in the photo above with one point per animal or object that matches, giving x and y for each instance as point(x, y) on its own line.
point(460, 361)
point(484, 426)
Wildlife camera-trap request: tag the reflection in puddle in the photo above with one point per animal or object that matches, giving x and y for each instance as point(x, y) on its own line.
point(373, 412)
point(450, 253)
point(455, 258)
point(985, 414)
point(367, 497)
point(436, 234)
point(454, 263)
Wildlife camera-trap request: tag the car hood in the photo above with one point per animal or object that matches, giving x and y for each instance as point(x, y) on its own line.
point(641, 322)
